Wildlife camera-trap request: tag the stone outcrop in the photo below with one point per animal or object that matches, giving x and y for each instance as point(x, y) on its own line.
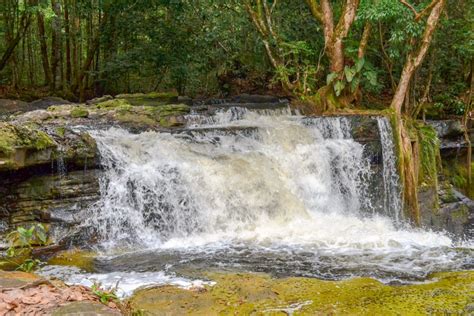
point(50, 164)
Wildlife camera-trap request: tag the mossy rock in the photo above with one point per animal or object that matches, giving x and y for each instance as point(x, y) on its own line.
point(75, 257)
point(258, 294)
point(13, 137)
point(173, 109)
point(119, 104)
point(150, 99)
point(79, 112)
point(135, 119)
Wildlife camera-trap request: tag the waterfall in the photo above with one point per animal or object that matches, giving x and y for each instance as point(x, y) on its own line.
point(247, 191)
point(392, 201)
point(232, 176)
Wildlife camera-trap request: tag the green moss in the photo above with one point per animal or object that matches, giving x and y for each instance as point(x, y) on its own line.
point(173, 109)
point(461, 213)
point(456, 172)
point(140, 119)
point(120, 104)
point(61, 131)
point(429, 155)
point(78, 112)
point(150, 99)
point(8, 139)
point(75, 257)
point(13, 136)
point(258, 294)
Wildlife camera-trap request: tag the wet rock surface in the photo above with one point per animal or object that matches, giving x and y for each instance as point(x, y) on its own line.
point(258, 294)
point(447, 210)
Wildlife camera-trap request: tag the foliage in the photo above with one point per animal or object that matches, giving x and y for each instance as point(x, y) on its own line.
point(210, 47)
point(105, 295)
point(22, 241)
point(429, 155)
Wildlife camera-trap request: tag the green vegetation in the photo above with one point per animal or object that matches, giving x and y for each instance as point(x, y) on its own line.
point(457, 174)
point(429, 155)
point(21, 242)
point(105, 295)
point(209, 47)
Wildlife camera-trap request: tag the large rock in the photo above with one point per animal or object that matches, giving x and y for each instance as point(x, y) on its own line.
point(11, 106)
point(44, 103)
point(447, 210)
point(30, 145)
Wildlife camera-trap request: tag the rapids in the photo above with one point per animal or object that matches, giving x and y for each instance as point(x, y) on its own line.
point(247, 191)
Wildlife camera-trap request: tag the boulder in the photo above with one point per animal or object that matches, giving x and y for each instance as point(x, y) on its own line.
point(11, 106)
point(45, 103)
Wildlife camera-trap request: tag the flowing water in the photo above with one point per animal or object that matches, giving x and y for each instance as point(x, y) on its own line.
point(245, 191)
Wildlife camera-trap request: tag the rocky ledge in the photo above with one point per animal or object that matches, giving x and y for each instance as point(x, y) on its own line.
point(50, 165)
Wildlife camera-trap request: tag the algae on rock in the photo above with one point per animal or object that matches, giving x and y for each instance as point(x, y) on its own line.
point(245, 294)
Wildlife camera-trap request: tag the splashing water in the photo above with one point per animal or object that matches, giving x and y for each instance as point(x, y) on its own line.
point(243, 191)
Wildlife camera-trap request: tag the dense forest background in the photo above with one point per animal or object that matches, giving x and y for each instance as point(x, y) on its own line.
point(79, 49)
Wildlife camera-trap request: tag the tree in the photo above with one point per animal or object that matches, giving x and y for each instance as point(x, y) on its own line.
point(334, 35)
point(14, 39)
point(414, 59)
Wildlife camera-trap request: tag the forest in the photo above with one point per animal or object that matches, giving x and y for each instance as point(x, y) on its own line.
point(211, 146)
point(81, 49)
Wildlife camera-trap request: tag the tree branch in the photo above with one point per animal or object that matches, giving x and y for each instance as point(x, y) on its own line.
point(315, 9)
point(364, 40)
point(421, 14)
point(347, 18)
point(409, 6)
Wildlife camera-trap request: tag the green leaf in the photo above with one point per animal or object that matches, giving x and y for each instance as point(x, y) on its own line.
point(355, 84)
point(330, 78)
point(371, 77)
point(350, 73)
point(338, 87)
point(360, 64)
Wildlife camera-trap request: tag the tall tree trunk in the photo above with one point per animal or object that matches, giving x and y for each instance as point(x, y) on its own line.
point(55, 43)
point(334, 35)
point(44, 49)
point(68, 42)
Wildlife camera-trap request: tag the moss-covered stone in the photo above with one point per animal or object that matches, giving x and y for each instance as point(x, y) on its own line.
point(75, 257)
point(150, 99)
point(119, 104)
point(14, 137)
point(135, 118)
point(257, 294)
point(79, 112)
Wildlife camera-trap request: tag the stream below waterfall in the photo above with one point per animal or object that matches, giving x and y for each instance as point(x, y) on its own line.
point(249, 192)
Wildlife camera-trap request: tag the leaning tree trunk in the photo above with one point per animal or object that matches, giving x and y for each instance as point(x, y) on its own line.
point(407, 159)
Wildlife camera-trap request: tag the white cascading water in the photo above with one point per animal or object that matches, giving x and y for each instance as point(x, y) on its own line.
point(228, 184)
point(392, 201)
point(281, 194)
